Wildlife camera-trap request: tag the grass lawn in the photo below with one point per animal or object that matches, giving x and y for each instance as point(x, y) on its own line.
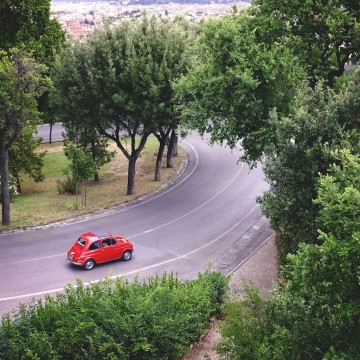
point(40, 203)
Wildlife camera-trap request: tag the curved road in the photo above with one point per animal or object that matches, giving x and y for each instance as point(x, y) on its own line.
point(208, 215)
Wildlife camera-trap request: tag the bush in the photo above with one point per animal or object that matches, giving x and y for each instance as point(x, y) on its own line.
point(67, 185)
point(12, 187)
point(156, 319)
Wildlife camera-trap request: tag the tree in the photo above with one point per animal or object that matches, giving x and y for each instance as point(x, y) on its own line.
point(82, 166)
point(172, 148)
point(250, 60)
point(322, 119)
point(117, 84)
point(23, 159)
point(22, 81)
point(324, 35)
point(240, 77)
point(26, 24)
point(91, 143)
point(180, 58)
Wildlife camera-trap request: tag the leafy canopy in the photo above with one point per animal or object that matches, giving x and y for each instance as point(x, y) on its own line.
point(239, 78)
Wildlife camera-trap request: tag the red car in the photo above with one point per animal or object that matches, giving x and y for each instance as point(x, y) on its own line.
point(91, 249)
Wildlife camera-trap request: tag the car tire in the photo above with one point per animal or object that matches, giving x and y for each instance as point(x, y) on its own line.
point(127, 255)
point(89, 264)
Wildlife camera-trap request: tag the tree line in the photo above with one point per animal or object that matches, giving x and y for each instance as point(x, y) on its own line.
point(278, 78)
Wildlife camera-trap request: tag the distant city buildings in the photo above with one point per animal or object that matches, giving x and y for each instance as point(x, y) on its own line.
point(80, 18)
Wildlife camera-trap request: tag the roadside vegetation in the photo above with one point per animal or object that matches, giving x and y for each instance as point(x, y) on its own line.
point(157, 319)
point(41, 203)
point(281, 77)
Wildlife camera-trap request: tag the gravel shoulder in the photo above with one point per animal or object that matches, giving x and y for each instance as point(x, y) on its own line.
point(262, 269)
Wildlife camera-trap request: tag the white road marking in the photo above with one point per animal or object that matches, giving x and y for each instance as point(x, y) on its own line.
point(39, 258)
point(184, 256)
point(161, 194)
point(193, 210)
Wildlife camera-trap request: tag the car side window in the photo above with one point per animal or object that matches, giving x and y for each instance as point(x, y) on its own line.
point(108, 242)
point(95, 245)
point(105, 243)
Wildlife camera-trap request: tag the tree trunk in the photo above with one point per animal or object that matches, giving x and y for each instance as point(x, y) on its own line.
point(131, 176)
point(50, 135)
point(18, 184)
point(160, 154)
point(175, 149)
point(5, 193)
point(169, 155)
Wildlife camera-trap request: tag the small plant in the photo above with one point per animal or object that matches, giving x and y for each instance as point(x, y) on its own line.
point(72, 205)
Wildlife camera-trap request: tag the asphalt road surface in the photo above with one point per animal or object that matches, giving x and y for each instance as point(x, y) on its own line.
point(208, 215)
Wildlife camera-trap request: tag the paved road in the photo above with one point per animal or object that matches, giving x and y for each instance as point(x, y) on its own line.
point(208, 215)
point(44, 132)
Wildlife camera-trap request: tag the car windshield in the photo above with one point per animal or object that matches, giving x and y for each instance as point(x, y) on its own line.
point(81, 241)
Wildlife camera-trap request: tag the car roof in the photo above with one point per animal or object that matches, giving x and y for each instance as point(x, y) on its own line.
point(93, 236)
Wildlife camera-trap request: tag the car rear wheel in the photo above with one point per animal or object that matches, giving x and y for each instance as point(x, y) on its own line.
point(89, 264)
point(127, 255)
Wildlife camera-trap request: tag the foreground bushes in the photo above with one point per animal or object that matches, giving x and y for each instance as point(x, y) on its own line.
point(157, 319)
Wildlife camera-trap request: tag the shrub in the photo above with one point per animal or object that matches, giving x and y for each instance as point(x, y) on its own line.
point(156, 319)
point(12, 187)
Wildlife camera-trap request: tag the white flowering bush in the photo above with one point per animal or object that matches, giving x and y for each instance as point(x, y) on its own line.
point(12, 187)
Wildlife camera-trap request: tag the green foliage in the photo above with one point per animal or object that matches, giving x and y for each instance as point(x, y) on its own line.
point(92, 144)
point(251, 63)
point(26, 25)
point(120, 83)
point(323, 35)
point(22, 81)
point(322, 120)
point(13, 191)
point(316, 313)
point(81, 167)
point(239, 78)
point(339, 197)
point(23, 157)
point(301, 153)
point(243, 333)
point(157, 319)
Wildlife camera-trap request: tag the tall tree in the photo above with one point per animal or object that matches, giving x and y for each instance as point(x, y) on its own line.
point(22, 81)
point(179, 58)
point(26, 24)
point(241, 75)
point(117, 84)
point(322, 119)
point(249, 60)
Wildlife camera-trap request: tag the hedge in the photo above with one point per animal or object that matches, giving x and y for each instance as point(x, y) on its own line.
point(115, 319)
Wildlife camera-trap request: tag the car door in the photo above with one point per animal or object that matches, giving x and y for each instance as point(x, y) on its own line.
point(94, 251)
point(108, 250)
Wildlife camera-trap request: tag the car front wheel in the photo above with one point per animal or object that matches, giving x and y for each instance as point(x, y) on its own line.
point(127, 255)
point(89, 264)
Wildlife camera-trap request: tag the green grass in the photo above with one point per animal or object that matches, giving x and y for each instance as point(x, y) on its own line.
point(40, 203)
